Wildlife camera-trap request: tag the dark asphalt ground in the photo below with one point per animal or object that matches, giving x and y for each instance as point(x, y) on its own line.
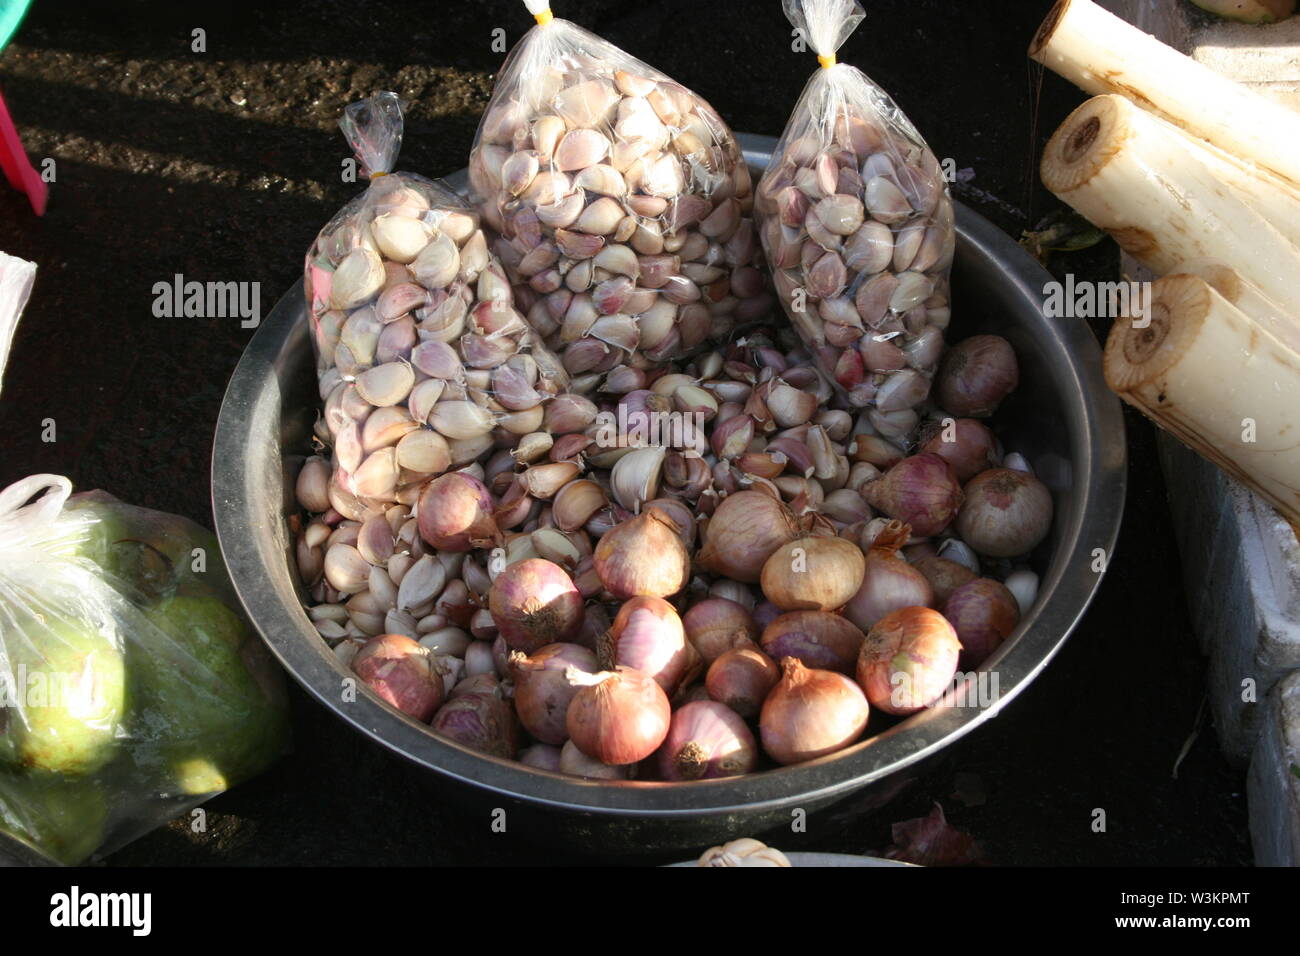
point(223, 165)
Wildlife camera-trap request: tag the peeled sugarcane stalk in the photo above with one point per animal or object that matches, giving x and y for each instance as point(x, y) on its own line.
point(1216, 380)
point(1160, 203)
point(1226, 281)
point(1100, 53)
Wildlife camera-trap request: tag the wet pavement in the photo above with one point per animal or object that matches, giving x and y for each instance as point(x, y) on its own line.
point(223, 164)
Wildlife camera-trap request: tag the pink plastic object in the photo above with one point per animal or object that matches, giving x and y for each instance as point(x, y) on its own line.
point(17, 167)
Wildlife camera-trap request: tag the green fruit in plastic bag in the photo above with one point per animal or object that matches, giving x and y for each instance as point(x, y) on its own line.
point(148, 554)
point(69, 690)
point(64, 819)
point(203, 719)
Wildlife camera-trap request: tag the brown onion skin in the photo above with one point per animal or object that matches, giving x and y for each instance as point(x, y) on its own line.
point(401, 673)
point(945, 576)
point(817, 639)
point(976, 375)
point(983, 613)
point(535, 603)
point(920, 490)
point(741, 679)
point(908, 660)
point(455, 513)
point(974, 447)
point(706, 741)
point(813, 573)
point(643, 556)
point(543, 692)
point(1006, 513)
point(620, 720)
point(742, 534)
point(647, 635)
point(716, 625)
point(811, 713)
point(482, 721)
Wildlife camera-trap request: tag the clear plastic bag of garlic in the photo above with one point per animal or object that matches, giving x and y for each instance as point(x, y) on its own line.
point(856, 221)
point(424, 362)
point(621, 200)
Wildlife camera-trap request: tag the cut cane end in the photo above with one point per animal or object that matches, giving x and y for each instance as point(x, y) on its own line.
point(1141, 349)
point(1050, 23)
point(1089, 138)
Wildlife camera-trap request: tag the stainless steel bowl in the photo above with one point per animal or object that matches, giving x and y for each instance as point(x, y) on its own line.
point(1062, 418)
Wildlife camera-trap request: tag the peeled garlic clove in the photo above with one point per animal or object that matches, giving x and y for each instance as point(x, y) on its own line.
point(578, 245)
point(400, 238)
point(579, 149)
point(827, 277)
point(312, 486)
point(345, 569)
point(397, 300)
point(586, 104)
point(555, 546)
point(790, 406)
point(386, 384)
point(424, 451)
point(423, 397)
point(563, 212)
point(903, 390)
point(601, 218)
point(532, 447)
point(473, 257)
point(663, 178)
point(629, 84)
point(548, 188)
point(438, 360)
point(601, 179)
point(376, 477)
point(722, 222)
point(576, 502)
point(396, 341)
point(438, 262)
point(913, 289)
point(620, 260)
point(384, 427)
point(522, 422)
point(357, 280)
point(422, 583)
point(375, 541)
point(634, 479)
point(543, 481)
point(840, 214)
point(461, 420)
point(885, 201)
point(873, 298)
point(870, 249)
point(518, 172)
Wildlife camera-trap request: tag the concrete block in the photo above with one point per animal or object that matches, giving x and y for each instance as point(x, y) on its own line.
point(1241, 568)
point(1265, 57)
point(1273, 786)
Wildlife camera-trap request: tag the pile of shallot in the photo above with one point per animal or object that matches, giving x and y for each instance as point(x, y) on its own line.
point(691, 570)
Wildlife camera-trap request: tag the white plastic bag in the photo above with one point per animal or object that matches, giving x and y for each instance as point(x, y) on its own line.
point(622, 202)
point(422, 357)
point(857, 225)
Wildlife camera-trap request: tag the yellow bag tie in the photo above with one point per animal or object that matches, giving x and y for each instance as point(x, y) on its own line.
point(543, 18)
point(827, 61)
point(374, 176)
